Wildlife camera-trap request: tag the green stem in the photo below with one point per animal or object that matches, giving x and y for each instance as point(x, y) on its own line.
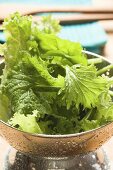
point(58, 54)
point(87, 115)
point(103, 70)
point(95, 61)
point(46, 88)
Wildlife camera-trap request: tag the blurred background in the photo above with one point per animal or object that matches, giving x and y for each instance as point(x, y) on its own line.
point(93, 29)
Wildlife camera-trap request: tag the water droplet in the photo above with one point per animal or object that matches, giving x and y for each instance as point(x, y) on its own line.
point(107, 73)
point(80, 164)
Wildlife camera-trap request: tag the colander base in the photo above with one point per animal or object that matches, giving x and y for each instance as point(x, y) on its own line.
point(15, 160)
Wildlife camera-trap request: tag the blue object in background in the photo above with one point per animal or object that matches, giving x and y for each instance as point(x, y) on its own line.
point(49, 2)
point(90, 35)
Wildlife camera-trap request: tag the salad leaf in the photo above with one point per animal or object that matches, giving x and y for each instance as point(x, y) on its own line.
point(48, 85)
point(82, 86)
point(18, 32)
point(88, 125)
point(63, 48)
point(48, 25)
point(104, 112)
point(4, 108)
point(26, 123)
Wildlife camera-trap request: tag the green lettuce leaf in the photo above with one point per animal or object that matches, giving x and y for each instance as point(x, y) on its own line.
point(4, 108)
point(26, 123)
point(89, 125)
point(72, 51)
point(48, 25)
point(82, 86)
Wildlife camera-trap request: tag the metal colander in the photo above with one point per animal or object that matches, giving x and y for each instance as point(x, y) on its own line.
point(58, 145)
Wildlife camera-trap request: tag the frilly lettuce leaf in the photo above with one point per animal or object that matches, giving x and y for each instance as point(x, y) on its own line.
point(4, 108)
point(26, 123)
point(48, 25)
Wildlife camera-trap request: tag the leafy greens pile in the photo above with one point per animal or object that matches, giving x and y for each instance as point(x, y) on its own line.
point(48, 85)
